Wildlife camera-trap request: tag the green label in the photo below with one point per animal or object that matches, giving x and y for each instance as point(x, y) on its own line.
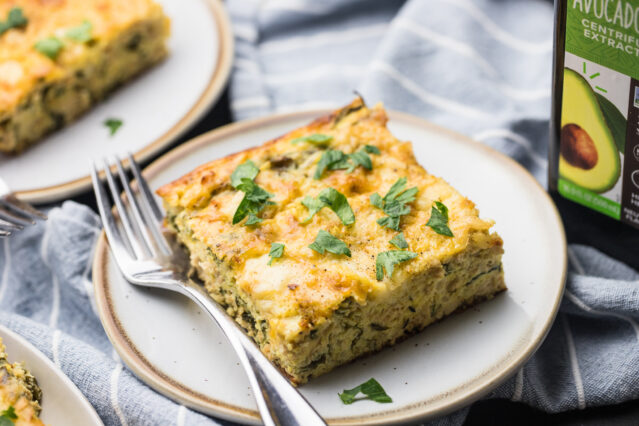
point(589, 199)
point(606, 32)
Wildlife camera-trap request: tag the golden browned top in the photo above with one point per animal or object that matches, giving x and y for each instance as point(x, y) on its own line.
point(304, 283)
point(22, 66)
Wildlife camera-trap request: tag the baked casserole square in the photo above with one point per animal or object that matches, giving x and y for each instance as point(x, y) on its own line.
point(60, 57)
point(332, 242)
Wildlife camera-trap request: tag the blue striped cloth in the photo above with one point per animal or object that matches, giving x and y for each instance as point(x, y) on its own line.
point(481, 67)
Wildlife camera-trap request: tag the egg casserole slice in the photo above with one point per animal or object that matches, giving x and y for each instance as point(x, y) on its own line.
point(20, 394)
point(59, 57)
point(332, 242)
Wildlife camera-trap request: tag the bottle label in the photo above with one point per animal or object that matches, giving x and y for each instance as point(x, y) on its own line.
point(599, 138)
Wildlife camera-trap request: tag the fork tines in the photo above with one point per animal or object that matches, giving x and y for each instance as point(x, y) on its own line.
point(132, 219)
point(16, 214)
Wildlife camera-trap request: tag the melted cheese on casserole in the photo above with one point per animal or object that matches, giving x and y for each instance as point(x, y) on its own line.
point(303, 287)
point(22, 67)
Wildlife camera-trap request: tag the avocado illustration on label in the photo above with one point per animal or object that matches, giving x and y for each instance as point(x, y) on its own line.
point(591, 136)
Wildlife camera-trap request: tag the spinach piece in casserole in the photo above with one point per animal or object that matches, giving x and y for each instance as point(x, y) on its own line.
point(255, 198)
point(15, 19)
point(49, 47)
point(371, 389)
point(337, 160)
point(315, 139)
point(334, 199)
point(277, 251)
point(325, 242)
point(394, 203)
point(439, 219)
point(388, 259)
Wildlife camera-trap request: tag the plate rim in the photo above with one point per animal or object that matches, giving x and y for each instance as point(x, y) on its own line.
point(206, 100)
point(412, 413)
point(6, 331)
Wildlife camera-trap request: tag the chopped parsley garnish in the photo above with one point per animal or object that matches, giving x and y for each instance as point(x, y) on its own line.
point(371, 149)
point(113, 124)
point(313, 205)
point(246, 170)
point(371, 389)
point(439, 219)
point(255, 199)
point(329, 160)
point(337, 160)
point(277, 250)
point(388, 259)
point(8, 416)
point(334, 199)
point(315, 139)
point(394, 203)
point(325, 242)
point(399, 241)
point(50, 47)
point(15, 19)
point(82, 33)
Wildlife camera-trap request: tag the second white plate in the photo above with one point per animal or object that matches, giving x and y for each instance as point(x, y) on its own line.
point(156, 108)
point(175, 348)
point(62, 402)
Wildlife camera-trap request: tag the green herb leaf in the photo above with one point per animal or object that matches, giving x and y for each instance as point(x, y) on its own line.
point(8, 416)
point(439, 219)
point(247, 170)
point(337, 160)
point(339, 204)
point(255, 198)
point(388, 259)
point(360, 158)
point(376, 200)
point(15, 19)
point(113, 124)
point(313, 205)
point(371, 149)
point(395, 189)
point(390, 222)
point(328, 159)
point(10, 413)
point(394, 208)
point(327, 242)
point(252, 220)
point(394, 203)
point(50, 47)
point(82, 33)
point(399, 241)
point(407, 196)
point(371, 389)
point(277, 250)
point(315, 139)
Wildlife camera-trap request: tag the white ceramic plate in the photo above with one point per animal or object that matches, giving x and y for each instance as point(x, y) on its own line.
point(156, 108)
point(172, 346)
point(62, 402)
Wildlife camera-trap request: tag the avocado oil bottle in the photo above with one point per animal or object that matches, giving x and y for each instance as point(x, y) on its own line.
point(593, 173)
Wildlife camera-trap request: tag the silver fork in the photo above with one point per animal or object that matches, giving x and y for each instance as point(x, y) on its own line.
point(15, 214)
point(149, 258)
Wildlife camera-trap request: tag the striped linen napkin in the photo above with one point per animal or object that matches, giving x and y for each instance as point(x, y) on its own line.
point(478, 66)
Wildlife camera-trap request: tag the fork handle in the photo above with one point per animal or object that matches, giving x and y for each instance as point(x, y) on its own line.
point(279, 402)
